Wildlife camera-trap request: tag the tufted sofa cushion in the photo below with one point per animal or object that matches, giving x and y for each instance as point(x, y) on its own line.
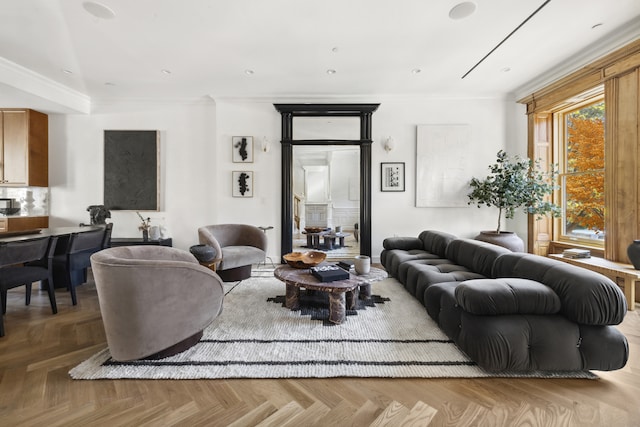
point(587, 297)
point(436, 242)
point(402, 243)
point(506, 296)
point(475, 255)
point(545, 343)
point(464, 258)
point(521, 342)
point(428, 245)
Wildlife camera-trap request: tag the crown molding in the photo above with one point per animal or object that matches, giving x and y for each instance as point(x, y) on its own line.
point(612, 42)
point(32, 84)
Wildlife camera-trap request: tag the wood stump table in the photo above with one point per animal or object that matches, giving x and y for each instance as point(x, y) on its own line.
point(342, 293)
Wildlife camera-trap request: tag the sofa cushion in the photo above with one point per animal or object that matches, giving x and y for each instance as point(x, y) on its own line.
point(424, 276)
point(436, 242)
point(406, 268)
point(587, 297)
point(404, 243)
point(506, 296)
point(430, 244)
point(392, 259)
point(521, 342)
point(475, 255)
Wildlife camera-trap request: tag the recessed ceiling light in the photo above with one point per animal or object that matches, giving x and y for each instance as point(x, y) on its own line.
point(99, 10)
point(335, 49)
point(416, 71)
point(165, 71)
point(505, 69)
point(67, 71)
point(109, 84)
point(462, 10)
point(598, 25)
point(331, 71)
point(249, 72)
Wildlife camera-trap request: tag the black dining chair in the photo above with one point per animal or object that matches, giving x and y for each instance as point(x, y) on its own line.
point(106, 240)
point(72, 265)
point(26, 262)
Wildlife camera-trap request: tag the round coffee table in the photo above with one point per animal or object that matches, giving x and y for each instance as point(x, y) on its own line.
point(342, 293)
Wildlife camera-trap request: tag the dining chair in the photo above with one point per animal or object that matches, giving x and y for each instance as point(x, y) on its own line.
point(106, 241)
point(25, 262)
point(73, 263)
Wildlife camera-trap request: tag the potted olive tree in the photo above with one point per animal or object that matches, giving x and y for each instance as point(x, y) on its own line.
point(513, 183)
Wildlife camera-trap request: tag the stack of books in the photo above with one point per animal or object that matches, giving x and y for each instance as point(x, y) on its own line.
point(576, 253)
point(329, 273)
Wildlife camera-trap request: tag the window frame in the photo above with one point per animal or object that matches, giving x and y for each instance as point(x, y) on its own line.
point(559, 147)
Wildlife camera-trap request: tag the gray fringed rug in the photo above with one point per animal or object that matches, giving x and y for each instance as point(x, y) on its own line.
point(256, 337)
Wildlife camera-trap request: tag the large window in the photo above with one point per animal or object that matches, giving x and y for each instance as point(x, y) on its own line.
point(580, 145)
point(565, 123)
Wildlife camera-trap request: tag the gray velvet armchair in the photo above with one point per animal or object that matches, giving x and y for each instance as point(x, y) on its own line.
point(237, 246)
point(155, 301)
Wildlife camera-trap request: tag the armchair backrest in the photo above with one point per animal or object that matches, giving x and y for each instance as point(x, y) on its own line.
point(233, 235)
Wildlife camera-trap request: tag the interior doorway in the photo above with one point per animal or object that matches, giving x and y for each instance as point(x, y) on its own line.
point(291, 205)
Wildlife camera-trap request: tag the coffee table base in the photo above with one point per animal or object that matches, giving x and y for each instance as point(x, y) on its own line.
point(342, 294)
point(338, 302)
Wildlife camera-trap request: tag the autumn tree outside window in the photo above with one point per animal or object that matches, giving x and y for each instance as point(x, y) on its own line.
point(581, 146)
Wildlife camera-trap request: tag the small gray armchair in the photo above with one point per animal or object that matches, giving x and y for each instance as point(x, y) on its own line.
point(155, 301)
point(238, 246)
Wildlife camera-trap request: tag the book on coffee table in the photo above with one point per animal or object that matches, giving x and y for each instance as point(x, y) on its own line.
point(346, 264)
point(329, 273)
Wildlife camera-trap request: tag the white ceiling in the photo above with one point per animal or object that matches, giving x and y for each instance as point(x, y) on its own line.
point(373, 45)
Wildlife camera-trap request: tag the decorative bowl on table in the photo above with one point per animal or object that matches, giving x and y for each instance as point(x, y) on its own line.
point(304, 259)
point(313, 230)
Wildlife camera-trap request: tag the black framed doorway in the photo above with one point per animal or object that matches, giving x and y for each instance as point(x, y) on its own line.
point(288, 113)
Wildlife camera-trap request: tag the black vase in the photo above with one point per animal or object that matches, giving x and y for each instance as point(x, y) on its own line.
point(633, 252)
point(145, 235)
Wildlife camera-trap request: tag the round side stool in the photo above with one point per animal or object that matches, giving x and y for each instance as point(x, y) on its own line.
point(206, 255)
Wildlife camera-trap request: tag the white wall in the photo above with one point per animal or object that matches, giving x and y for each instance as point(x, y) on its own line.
point(196, 163)
point(188, 164)
point(495, 124)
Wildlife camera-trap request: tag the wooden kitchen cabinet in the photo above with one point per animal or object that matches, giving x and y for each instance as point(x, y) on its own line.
point(24, 148)
point(23, 223)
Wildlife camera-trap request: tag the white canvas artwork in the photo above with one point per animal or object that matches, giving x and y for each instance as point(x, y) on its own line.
point(442, 166)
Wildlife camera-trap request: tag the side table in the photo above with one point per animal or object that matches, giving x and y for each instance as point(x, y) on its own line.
point(134, 241)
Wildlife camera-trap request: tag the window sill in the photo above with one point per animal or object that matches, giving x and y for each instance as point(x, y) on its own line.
point(556, 247)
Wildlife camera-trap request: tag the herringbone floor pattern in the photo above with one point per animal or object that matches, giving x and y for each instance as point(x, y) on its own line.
point(39, 349)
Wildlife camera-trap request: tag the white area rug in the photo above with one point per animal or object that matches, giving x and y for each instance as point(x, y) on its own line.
point(258, 338)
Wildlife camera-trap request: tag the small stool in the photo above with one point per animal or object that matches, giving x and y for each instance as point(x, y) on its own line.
point(206, 255)
point(264, 229)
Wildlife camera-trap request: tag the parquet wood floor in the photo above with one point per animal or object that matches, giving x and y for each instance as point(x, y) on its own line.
point(39, 349)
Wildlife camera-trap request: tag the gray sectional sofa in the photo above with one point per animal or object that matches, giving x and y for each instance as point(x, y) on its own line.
point(512, 311)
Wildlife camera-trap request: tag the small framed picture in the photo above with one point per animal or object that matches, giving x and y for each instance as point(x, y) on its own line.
point(242, 184)
point(242, 149)
point(392, 176)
